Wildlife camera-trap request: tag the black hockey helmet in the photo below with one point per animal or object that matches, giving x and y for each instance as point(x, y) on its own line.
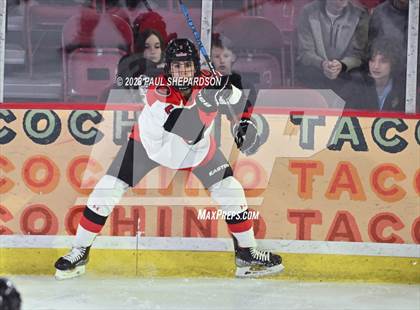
point(9, 296)
point(181, 50)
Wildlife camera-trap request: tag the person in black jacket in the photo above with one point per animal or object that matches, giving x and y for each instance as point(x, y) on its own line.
point(377, 88)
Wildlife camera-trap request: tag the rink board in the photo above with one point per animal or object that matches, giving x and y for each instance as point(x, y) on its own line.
point(206, 257)
point(149, 264)
point(321, 179)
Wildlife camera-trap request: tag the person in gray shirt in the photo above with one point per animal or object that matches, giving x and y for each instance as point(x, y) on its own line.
point(332, 40)
point(390, 20)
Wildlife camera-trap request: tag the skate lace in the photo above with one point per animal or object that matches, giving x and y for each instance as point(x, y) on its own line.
point(260, 255)
point(75, 254)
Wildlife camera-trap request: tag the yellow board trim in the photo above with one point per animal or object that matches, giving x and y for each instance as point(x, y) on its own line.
point(132, 263)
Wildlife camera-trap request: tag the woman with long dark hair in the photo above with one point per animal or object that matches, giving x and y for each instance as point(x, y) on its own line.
point(152, 46)
point(149, 60)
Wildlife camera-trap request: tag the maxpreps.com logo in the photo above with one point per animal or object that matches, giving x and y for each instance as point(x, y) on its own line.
point(218, 169)
point(204, 214)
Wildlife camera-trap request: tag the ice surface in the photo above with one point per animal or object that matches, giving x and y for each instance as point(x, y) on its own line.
point(88, 292)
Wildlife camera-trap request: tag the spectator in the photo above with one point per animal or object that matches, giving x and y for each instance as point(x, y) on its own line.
point(332, 38)
point(152, 46)
point(148, 61)
point(379, 88)
point(222, 55)
point(390, 19)
point(223, 58)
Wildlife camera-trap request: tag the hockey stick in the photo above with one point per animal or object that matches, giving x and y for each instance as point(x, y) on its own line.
point(197, 37)
point(147, 5)
point(206, 58)
point(203, 50)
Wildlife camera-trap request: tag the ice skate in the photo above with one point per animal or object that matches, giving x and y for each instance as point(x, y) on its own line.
point(73, 264)
point(251, 262)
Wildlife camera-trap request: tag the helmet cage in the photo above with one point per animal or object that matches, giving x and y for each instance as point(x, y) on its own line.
point(181, 50)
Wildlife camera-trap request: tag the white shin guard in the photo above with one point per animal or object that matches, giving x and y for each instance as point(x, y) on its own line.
point(229, 194)
point(107, 193)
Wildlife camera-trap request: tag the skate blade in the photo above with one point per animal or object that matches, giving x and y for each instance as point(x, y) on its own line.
point(69, 274)
point(253, 272)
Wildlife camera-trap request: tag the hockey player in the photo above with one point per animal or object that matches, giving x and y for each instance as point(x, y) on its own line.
point(173, 130)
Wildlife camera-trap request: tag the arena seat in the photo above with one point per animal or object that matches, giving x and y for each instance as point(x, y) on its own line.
point(260, 69)
point(284, 15)
point(129, 15)
point(44, 23)
point(219, 15)
point(176, 23)
point(258, 45)
point(92, 45)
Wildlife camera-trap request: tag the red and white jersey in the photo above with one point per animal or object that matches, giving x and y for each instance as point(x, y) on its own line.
point(166, 148)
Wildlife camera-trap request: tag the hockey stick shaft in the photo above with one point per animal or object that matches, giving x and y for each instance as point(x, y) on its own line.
point(197, 37)
point(147, 5)
point(203, 49)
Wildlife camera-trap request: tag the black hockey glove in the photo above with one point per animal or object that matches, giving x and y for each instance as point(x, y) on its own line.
point(210, 97)
point(246, 136)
